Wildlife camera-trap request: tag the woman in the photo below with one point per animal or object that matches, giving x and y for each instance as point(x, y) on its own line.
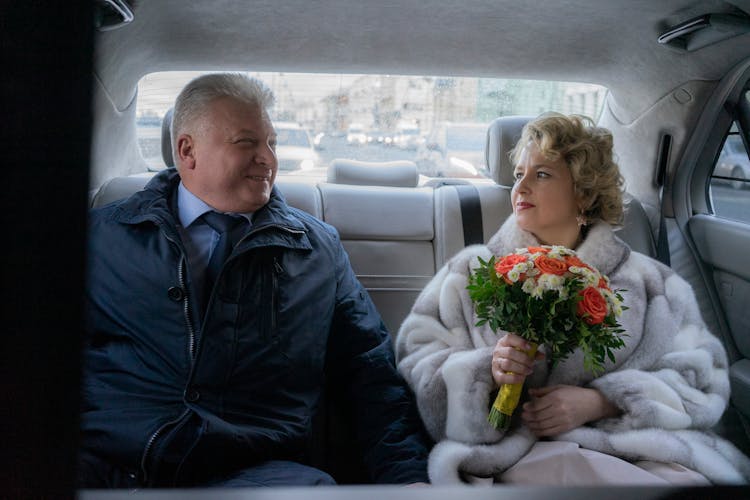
point(652, 407)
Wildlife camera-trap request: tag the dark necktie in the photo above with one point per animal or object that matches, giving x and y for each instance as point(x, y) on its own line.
point(230, 230)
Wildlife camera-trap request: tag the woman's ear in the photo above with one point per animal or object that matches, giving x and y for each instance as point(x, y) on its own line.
point(583, 202)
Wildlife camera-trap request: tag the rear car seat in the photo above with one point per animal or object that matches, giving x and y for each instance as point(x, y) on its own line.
point(386, 226)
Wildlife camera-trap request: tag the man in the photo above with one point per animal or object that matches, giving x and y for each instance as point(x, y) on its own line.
point(202, 370)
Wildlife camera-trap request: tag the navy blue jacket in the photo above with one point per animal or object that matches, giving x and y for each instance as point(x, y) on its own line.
point(239, 385)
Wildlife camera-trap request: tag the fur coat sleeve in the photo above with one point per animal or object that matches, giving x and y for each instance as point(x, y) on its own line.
point(670, 381)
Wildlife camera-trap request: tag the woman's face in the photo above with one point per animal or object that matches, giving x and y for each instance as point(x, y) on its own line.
point(544, 200)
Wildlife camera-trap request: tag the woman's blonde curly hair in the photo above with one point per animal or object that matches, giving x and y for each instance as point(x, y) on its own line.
point(587, 150)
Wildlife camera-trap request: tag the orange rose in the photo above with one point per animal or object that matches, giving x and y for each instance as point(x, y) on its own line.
point(538, 249)
point(549, 265)
point(602, 283)
point(592, 307)
point(573, 260)
point(507, 263)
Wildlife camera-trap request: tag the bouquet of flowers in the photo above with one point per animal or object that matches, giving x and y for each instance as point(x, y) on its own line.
point(547, 295)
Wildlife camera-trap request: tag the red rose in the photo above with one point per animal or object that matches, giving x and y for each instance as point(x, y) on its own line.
point(507, 263)
point(592, 307)
point(549, 265)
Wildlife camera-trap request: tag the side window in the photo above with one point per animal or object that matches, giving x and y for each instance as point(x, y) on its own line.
point(730, 181)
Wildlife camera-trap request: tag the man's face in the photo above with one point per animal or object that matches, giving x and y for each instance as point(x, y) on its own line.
point(228, 158)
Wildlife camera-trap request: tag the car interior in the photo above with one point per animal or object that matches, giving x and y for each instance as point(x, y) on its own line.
point(676, 75)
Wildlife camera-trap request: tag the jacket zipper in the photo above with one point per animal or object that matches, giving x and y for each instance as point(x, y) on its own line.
point(186, 299)
point(150, 444)
point(191, 350)
point(275, 272)
point(186, 309)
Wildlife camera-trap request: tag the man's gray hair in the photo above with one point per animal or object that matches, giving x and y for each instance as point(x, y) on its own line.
point(197, 95)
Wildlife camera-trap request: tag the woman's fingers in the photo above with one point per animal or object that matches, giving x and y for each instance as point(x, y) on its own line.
point(513, 340)
point(560, 408)
point(511, 360)
point(504, 377)
point(510, 364)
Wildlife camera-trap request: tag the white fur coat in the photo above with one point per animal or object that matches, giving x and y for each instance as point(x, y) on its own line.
point(670, 380)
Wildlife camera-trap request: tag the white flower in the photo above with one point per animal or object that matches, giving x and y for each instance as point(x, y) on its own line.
point(613, 303)
point(590, 278)
point(537, 291)
point(559, 252)
point(579, 270)
point(529, 285)
point(617, 309)
point(550, 282)
point(513, 274)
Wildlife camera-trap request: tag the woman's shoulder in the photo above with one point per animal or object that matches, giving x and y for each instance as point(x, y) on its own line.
point(654, 276)
point(648, 265)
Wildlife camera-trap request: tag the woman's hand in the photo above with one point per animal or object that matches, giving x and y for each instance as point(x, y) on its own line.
point(560, 408)
point(510, 363)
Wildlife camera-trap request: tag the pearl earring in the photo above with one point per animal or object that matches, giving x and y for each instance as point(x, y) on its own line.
point(581, 220)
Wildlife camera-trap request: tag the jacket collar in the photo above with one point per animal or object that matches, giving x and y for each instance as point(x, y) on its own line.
point(156, 201)
point(152, 203)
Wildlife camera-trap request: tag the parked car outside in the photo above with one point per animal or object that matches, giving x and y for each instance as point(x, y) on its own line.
point(356, 135)
point(294, 147)
point(407, 136)
point(454, 150)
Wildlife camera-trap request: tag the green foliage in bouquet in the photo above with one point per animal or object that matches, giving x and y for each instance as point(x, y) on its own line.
point(547, 295)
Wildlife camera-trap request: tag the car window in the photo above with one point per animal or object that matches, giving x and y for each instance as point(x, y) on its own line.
point(440, 123)
point(730, 181)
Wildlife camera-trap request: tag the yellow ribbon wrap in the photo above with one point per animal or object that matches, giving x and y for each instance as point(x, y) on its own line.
point(507, 398)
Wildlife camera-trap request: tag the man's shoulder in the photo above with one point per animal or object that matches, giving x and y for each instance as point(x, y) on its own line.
point(105, 213)
point(146, 204)
point(127, 200)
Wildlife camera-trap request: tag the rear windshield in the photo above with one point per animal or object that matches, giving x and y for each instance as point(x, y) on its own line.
point(438, 122)
point(287, 137)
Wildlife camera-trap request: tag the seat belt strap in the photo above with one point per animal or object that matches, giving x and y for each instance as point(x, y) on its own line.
point(471, 214)
point(662, 245)
point(662, 180)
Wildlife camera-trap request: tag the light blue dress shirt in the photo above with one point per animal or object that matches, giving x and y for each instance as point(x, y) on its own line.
point(199, 238)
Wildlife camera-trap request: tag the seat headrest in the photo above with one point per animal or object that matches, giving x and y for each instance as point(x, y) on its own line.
point(402, 173)
point(502, 136)
point(166, 138)
point(119, 188)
